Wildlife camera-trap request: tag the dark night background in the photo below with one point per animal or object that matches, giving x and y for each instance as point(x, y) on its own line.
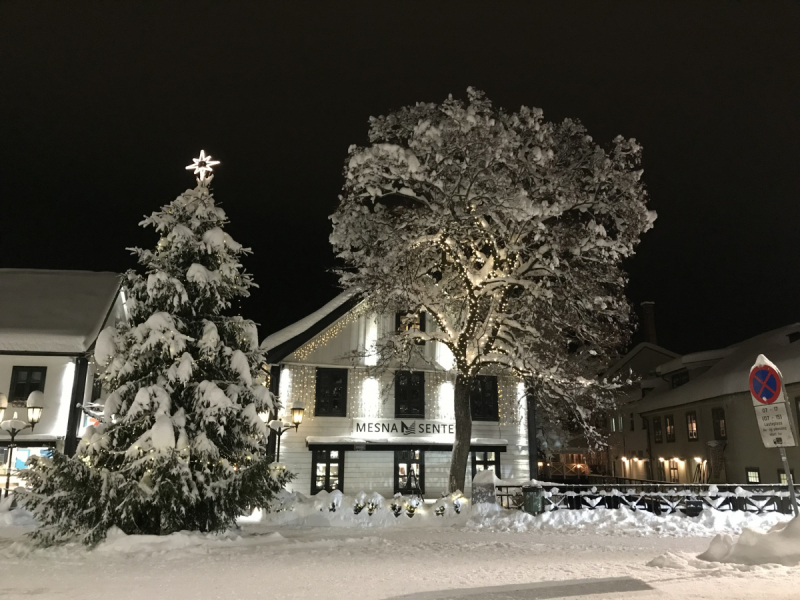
point(103, 104)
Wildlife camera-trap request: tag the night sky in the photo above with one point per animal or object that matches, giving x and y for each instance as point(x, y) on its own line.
point(103, 104)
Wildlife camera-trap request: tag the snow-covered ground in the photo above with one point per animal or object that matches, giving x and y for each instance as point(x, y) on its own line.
point(482, 553)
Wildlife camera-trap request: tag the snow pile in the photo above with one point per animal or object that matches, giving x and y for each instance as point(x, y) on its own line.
point(781, 545)
point(11, 516)
point(120, 543)
point(621, 521)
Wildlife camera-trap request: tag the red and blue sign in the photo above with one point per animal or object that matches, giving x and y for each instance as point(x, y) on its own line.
point(765, 384)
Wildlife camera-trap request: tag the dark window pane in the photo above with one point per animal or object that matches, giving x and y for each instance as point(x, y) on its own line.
point(483, 398)
point(25, 380)
point(409, 394)
point(331, 393)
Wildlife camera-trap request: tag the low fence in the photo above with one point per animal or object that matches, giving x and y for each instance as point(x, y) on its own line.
point(663, 498)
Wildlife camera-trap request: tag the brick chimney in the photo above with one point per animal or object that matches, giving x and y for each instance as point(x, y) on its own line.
point(649, 322)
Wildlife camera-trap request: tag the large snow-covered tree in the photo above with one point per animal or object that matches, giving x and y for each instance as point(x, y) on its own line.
point(509, 232)
point(180, 444)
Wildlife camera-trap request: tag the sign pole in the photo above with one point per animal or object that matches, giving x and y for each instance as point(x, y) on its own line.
point(789, 481)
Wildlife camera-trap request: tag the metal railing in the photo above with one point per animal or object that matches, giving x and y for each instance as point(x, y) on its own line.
point(658, 498)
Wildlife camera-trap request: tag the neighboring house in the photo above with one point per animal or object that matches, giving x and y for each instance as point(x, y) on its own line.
point(363, 433)
point(696, 421)
point(49, 321)
point(575, 462)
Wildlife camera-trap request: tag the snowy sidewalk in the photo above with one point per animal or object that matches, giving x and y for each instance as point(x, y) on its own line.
point(333, 563)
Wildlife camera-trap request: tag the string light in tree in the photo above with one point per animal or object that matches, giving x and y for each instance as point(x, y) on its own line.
point(203, 167)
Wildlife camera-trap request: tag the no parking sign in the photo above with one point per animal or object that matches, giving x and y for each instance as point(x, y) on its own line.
point(769, 401)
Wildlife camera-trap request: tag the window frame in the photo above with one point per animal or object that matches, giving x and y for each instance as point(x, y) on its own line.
point(485, 462)
point(15, 371)
point(756, 470)
point(495, 416)
point(674, 471)
point(782, 472)
point(398, 323)
point(658, 432)
point(323, 455)
point(669, 423)
point(398, 459)
point(323, 373)
point(420, 413)
point(692, 414)
point(720, 433)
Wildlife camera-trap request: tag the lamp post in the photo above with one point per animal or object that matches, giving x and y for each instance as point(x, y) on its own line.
point(279, 427)
point(14, 425)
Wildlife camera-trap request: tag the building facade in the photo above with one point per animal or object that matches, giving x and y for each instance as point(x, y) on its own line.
point(49, 322)
point(384, 433)
point(695, 422)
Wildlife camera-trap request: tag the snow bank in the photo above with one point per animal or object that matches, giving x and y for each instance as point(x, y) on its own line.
point(779, 545)
point(16, 516)
point(117, 542)
point(621, 521)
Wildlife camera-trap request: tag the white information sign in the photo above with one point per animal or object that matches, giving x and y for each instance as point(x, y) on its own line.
point(775, 425)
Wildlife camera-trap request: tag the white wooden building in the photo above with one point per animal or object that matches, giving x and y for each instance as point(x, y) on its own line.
point(49, 322)
point(361, 433)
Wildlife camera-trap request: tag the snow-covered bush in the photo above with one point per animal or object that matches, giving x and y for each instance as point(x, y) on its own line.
point(181, 445)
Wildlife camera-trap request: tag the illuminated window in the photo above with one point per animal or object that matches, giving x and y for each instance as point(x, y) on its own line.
point(484, 461)
point(328, 470)
point(673, 471)
point(753, 475)
point(409, 471)
point(782, 476)
point(409, 394)
point(691, 425)
point(410, 322)
point(669, 425)
point(25, 380)
point(718, 418)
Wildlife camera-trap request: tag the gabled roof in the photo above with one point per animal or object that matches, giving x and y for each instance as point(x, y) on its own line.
point(282, 343)
point(643, 347)
point(43, 311)
point(730, 373)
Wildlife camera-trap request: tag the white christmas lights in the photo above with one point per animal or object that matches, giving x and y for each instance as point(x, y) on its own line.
point(202, 166)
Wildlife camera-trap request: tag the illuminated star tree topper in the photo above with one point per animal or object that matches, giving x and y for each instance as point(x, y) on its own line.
point(203, 167)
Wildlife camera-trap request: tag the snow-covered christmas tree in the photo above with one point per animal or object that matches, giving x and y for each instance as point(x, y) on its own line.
point(180, 445)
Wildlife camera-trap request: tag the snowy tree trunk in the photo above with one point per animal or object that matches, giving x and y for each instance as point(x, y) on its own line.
point(458, 462)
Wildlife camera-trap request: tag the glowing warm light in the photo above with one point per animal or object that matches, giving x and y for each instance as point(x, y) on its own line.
point(202, 165)
point(624, 459)
point(660, 459)
point(371, 342)
point(447, 401)
point(370, 397)
point(540, 464)
point(297, 415)
point(698, 459)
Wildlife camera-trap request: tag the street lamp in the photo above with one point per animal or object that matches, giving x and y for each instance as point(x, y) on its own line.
point(279, 427)
point(34, 406)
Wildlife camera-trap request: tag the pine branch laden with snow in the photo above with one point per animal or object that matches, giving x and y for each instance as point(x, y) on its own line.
point(507, 230)
point(180, 445)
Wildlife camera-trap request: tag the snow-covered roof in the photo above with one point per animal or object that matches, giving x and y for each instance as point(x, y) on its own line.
point(54, 311)
point(295, 329)
point(403, 441)
point(730, 373)
point(626, 360)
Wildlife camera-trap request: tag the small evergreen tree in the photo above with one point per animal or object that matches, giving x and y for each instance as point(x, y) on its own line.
point(180, 445)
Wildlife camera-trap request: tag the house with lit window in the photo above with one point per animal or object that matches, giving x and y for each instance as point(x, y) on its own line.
point(695, 422)
point(390, 432)
point(49, 322)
